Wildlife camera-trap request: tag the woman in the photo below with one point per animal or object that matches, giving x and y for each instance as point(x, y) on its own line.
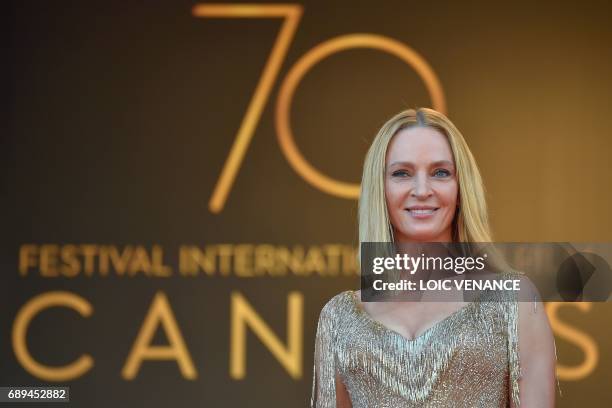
point(421, 184)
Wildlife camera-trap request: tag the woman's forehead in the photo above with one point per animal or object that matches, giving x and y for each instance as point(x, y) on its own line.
point(419, 144)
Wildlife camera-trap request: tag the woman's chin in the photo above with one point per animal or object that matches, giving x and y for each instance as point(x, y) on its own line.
point(423, 236)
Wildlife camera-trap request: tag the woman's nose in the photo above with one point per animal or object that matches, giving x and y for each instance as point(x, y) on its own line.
point(421, 188)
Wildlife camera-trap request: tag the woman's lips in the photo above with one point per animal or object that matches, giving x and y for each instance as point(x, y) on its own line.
point(421, 213)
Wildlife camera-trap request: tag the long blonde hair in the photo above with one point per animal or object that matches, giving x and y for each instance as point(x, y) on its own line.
point(470, 223)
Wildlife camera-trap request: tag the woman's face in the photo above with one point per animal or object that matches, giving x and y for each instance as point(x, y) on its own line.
point(421, 185)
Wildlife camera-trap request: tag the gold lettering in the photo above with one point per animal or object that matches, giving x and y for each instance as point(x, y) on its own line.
point(349, 261)
point(314, 262)
point(27, 258)
point(19, 334)
point(333, 256)
point(160, 313)
point(579, 338)
point(292, 14)
point(243, 260)
point(71, 266)
point(48, 260)
point(140, 262)
point(225, 258)
point(191, 257)
point(89, 252)
point(264, 260)
point(159, 269)
point(243, 315)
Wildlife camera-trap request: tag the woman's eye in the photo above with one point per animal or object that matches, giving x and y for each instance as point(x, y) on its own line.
point(400, 173)
point(442, 173)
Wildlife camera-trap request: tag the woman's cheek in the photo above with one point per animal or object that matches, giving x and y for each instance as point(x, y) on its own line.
point(392, 197)
point(449, 193)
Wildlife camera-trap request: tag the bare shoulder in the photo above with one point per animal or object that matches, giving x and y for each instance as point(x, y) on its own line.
point(532, 318)
point(537, 355)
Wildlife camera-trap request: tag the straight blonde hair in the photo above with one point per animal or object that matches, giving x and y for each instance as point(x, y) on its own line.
point(470, 223)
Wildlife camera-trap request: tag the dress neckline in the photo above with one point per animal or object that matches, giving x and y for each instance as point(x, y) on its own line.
point(360, 311)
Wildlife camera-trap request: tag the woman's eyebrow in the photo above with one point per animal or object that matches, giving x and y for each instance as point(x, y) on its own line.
point(401, 163)
point(443, 163)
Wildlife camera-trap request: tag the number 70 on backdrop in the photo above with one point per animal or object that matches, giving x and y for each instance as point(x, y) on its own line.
point(291, 14)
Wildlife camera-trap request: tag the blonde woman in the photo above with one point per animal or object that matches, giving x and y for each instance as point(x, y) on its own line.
point(421, 184)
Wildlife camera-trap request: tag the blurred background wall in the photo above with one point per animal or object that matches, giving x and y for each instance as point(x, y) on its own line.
point(161, 245)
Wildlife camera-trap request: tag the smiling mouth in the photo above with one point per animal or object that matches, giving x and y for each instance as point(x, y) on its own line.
point(422, 211)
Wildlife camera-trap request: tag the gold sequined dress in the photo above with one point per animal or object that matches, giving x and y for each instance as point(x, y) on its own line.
point(468, 359)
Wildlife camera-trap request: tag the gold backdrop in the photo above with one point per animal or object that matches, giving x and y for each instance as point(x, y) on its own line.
point(179, 179)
